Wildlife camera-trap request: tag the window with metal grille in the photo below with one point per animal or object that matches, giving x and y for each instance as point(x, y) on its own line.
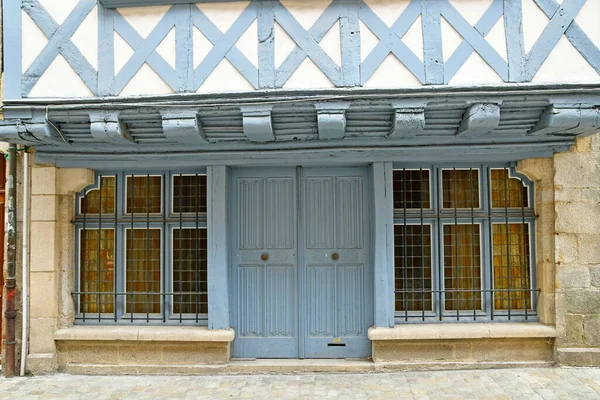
point(142, 249)
point(463, 244)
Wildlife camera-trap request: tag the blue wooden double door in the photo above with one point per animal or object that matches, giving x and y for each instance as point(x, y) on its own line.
point(301, 276)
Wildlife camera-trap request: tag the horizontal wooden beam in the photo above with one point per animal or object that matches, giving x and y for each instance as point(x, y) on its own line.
point(479, 119)
point(568, 119)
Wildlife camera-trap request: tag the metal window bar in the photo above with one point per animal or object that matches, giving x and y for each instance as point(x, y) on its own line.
point(146, 256)
point(472, 240)
point(82, 260)
point(422, 249)
point(115, 238)
point(197, 247)
point(405, 266)
point(525, 261)
point(506, 201)
point(180, 250)
point(455, 250)
point(131, 234)
point(491, 249)
point(99, 242)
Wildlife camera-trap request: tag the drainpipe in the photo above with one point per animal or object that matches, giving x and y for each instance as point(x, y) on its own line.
point(25, 262)
point(10, 284)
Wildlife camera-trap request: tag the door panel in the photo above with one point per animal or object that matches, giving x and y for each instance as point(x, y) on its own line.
point(264, 266)
point(337, 289)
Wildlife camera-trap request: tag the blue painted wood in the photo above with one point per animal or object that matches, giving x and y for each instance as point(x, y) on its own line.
point(575, 35)
point(182, 127)
point(145, 51)
point(474, 40)
point(184, 62)
point(390, 41)
point(266, 45)
point(308, 44)
point(479, 119)
point(331, 119)
point(383, 244)
point(546, 42)
point(350, 42)
point(432, 42)
point(257, 122)
point(145, 3)
point(218, 256)
point(515, 42)
point(11, 32)
point(106, 51)
point(59, 42)
point(263, 225)
point(224, 45)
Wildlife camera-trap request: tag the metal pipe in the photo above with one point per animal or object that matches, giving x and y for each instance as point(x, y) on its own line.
point(25, 263)
point(10, 284)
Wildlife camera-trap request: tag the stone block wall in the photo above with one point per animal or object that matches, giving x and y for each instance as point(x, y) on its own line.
point(577, 253)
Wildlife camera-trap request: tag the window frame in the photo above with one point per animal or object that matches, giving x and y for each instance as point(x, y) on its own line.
point(121, 221)
point(486, 216)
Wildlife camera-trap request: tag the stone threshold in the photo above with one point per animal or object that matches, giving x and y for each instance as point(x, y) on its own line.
point(144, 334)
point(245, 367)
point(502, 330)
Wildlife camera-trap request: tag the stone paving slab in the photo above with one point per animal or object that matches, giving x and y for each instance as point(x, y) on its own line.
point(525, 384)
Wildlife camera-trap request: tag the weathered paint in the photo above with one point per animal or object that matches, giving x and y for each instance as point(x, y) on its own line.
point(327, 40)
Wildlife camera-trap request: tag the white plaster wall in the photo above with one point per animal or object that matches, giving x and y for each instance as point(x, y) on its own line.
point(564, 64)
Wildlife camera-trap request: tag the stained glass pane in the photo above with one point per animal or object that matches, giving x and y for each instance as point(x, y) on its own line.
point(189, 193)
point(411, 189)
point(462, 266)
point(460, 188)
point(511, 266)
point(145, 193)
point(142, 257)
point(506, 191)
point(189, 271)
point(97, 269)
point(90, 203)
point(412, 267)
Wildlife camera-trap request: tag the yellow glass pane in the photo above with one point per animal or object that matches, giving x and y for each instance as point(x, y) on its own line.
point(506, 191)
point(90, 203)
point(97, 269)
point(142, 258)
point(144, 193)
point(462, 267)
point(511, 267)
point(460, 188)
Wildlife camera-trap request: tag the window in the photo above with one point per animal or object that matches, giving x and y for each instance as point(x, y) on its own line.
point(142, 249)
point(463, 244)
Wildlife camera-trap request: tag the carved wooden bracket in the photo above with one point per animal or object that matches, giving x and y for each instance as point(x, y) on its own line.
point(331, 120)
point(183, 127)
point(409, 118)
point(479, 119)
point(568, 119)
point(257, 123)
point(106, 126)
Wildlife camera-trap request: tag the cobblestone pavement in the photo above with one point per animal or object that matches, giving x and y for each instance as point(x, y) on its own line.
point(529, 384)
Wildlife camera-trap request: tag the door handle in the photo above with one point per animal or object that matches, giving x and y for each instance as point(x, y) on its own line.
point(264, 256)
point(335, 256)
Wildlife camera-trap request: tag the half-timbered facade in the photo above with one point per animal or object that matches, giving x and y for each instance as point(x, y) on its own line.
point(350, 179)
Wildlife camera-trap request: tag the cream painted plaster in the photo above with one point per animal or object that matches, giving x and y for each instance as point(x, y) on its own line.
point(388, 10)
point(60, 80)
point(306, 12)
point(450, 39)
point(123, 52)
point(471, 10)
point(225, 78)
point(413, 38)
point(308, 76)
point(332, 44)
point(146, 81)
point(475, 70)
point(588, 20)
point(59, 9)
point(248, 43)
point(167, 48)
point(202, 46)
point(223, 14)
point(34, 41)
point(143, 19)
point(534, 23)
point(565, 64)
point(392, 74)
point(86, 37)
point(496, 37)
point(283, 45)
point(368, 41)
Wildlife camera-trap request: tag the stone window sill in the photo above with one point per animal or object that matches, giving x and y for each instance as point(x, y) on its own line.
point(144, 334)
point(517, 330)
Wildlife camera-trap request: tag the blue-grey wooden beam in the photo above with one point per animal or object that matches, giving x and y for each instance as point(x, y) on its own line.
point(568, 119)
point(515, 42)
point(409, 118)
point(350, 44)
point(433, 56)
point(331, 120)
point(107, 127)
point(45, 130)
point(218, 263)
point(184, 60)
point(182, 127)
point(12, 31)
point(479, 119)
point(257, 123)
point(17, 132)
point(266, 45)
point(106, 51)
point(383, 248)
